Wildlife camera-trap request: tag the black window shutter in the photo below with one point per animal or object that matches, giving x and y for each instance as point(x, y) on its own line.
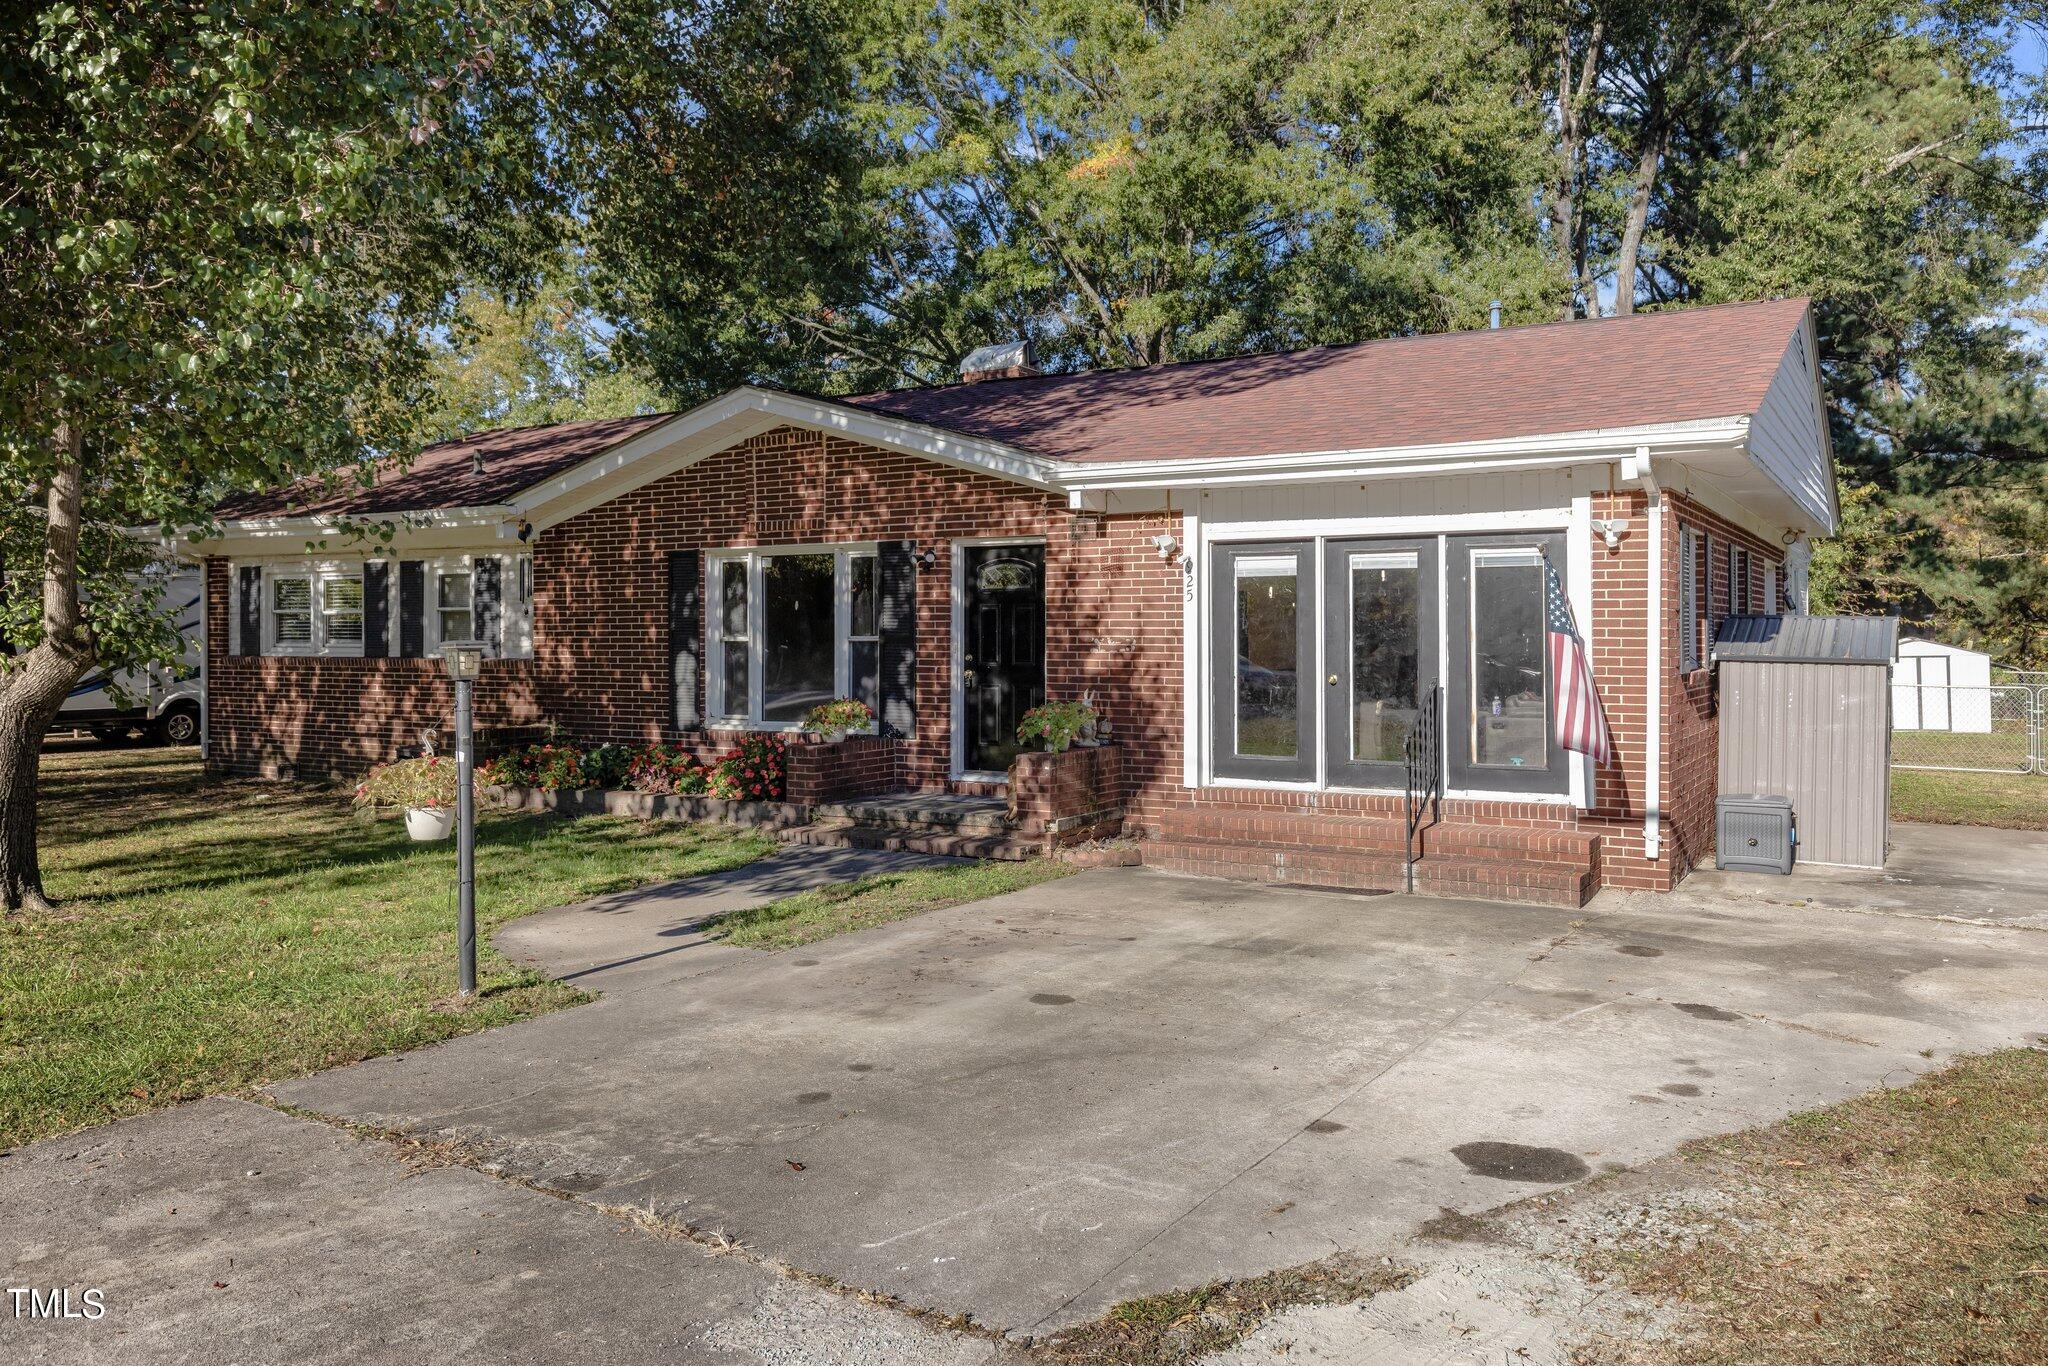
point(685, 638)
point(898, 630)
point(485, 597)
point(376, 609)
point(412, 608)
point(251, 607)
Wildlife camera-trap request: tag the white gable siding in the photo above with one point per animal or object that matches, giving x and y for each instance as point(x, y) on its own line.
point(1787, 437)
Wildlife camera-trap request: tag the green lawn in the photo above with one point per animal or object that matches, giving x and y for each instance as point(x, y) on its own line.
point(877, 899)
point(2015, 801)
point(213, 934)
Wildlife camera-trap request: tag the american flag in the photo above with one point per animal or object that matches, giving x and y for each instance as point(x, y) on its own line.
point(1581, 724)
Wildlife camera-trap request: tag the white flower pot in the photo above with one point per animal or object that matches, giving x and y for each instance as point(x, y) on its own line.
point(429, 822)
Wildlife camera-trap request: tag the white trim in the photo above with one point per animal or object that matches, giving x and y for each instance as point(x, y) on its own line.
point(714, 640)
point(1578, 590)
point(317, 573)
point(1193, 732)
point(747, 411)
point(1197, 632)
point(1380, 462)
point(1653, 682)
point(956, 762)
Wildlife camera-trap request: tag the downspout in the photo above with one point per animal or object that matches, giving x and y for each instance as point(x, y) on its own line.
point(1637, 468)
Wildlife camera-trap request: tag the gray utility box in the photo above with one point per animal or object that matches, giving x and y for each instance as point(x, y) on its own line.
point(1753, 834)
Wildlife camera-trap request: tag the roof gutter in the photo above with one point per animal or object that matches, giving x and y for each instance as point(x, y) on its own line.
point(1666, 441)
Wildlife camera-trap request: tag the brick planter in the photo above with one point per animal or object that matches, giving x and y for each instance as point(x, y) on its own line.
point(846, 770)
point(650, 806)
point(1069, 797)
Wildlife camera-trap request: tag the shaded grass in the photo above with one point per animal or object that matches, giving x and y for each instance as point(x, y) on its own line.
point(1905, 1225)
point(2012, 801)
point(1181, 1325)
point(212, 934)
point(878, 899)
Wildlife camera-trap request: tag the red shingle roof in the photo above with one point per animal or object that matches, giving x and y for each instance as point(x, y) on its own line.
point(443, 475)
point(1406, 391)
point(1686, 365)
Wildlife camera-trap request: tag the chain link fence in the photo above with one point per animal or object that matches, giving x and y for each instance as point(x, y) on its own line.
point(1969, 728)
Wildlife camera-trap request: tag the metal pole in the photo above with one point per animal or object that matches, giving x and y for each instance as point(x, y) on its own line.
point(465, 844)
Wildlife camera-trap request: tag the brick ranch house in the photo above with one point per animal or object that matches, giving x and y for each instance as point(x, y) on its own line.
point(1259, 568)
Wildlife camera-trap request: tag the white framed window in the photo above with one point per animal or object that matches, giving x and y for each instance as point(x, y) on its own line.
point(1738, 582)
point(313, 609)
point(454, 603)
point(790, 627)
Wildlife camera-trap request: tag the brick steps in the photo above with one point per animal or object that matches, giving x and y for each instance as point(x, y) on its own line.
point(1370, 835)
point(960, 815)
point(921, 840)
point(1479, 879)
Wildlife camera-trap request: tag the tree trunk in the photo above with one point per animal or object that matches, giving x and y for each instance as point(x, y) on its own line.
point(1638, 216)
point(35, 685)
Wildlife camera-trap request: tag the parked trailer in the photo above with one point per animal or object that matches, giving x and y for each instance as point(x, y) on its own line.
point(156, 702)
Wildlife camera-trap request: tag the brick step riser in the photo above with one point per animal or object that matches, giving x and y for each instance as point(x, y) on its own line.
point(1482, 843)
point(906, 839)
point(1482, 880)
point(977, 822)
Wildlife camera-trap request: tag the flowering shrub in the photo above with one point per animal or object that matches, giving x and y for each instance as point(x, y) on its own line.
point(1058, 724)
point(550, 767)
point(605, 766)
point(753, 772)
point(417, 784)
point(839, 716)
point(665, 769)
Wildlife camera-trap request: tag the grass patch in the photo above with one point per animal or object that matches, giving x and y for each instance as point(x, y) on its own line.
point(1906, 1225)
point(877, 899)
point(212, 934)
point(2011, 801)
point(1180, 1325)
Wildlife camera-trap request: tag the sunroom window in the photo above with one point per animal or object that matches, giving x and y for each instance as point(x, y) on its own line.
point(791, 629)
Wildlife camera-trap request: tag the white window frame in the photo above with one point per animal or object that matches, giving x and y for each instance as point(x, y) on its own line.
point(437, 570)
point(318, 574)
point(1772, 605)
point(715, 639)
point(1688, 600)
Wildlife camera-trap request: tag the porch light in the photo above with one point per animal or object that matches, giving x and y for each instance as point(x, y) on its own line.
point(1165, 545)
point(1610, 530)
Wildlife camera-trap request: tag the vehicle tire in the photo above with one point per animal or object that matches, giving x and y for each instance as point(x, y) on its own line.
point(178, 725)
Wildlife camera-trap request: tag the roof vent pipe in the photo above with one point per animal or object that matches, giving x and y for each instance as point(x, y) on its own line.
point(476, 463)
point(1003, 360)
point(1493, 315)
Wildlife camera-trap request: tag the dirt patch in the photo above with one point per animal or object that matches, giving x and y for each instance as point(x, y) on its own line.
point(1183, 1324)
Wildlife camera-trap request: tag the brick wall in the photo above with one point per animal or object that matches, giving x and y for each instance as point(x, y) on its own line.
point(1114, 613)
point(1052, 791)
point(287, 717)
point(1691, 717)
point(858, 766)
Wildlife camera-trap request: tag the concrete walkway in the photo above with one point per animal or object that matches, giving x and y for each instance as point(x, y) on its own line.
point(1962, 872)
point(657, 934)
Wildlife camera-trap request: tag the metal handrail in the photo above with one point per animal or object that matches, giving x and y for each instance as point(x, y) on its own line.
point(1423, 749)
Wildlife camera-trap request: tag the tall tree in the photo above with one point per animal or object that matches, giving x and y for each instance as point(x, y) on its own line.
point(1121, 182)
point(229, 230)
point(1888, 159)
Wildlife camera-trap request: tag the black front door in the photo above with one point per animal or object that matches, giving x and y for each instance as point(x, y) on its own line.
point(1002, 659)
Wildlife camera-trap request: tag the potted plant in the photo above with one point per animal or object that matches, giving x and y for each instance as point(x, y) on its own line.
point(830, 721)
point(1057, 724)
point(424, 788)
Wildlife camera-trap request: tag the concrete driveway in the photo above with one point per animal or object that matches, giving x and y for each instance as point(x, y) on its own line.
point(1024, 1109)
point(1028, 1109)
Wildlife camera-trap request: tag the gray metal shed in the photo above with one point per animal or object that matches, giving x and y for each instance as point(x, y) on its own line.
point(1806, 715)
